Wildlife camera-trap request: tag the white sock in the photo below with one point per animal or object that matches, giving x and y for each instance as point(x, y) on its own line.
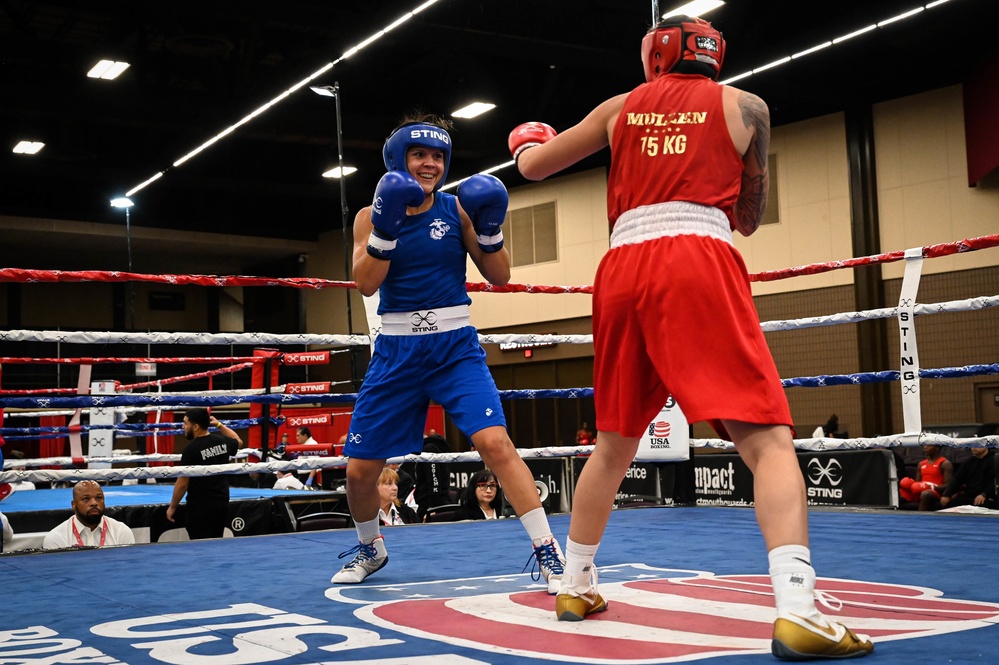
point(793, 580)
point(579, 561)
point(367, 531)
point(536, 523)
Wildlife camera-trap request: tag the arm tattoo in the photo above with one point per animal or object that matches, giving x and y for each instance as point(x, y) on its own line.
point(752, 203)
point(755, 176)
point(756, 115)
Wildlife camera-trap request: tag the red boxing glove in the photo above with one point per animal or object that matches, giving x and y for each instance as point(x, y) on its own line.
point(529, 135)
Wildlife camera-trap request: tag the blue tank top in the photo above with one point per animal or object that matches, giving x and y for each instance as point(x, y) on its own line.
point(428, 263)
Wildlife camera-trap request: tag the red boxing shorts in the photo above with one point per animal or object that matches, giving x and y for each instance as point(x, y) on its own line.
point(674, 314)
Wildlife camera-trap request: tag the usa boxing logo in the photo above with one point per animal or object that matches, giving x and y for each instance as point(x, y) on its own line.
point(659, 429)
point(654, 615)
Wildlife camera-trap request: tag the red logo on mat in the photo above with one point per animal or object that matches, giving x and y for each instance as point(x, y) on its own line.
point(663, 620)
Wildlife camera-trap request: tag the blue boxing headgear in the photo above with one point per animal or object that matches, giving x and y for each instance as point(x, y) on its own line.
point(412, 134)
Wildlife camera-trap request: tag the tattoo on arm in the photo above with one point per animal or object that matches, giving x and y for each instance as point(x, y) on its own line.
point(755, 177)
point(756, 115)
point(751, 204)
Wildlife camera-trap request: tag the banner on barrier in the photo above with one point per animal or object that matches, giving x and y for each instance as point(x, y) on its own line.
point(307, 358)
point(550, 477)
point(314, 387)
point(667, 438)
point(844, 478)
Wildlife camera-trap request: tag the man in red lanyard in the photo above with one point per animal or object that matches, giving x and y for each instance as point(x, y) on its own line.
point(88, 526)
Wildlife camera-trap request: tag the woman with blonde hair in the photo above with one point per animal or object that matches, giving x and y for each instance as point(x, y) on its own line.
point(392, 511)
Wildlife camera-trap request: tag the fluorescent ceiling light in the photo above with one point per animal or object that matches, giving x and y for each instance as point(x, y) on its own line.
point(854, 34)
point(122, 202)
point(807, 51)
point(695, 8)
point(335, 172)
point(775, 63)
point(28, 147)
point(107, 70)
point(473, 109)
point(900, 16)
point(263, 109)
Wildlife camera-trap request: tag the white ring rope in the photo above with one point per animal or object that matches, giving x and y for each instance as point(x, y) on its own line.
point(968, 305)
point(18, 472)
point(81, 337)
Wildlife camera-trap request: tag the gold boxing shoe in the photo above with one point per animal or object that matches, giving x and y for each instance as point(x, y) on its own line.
point(577, 601)
point(798, 638)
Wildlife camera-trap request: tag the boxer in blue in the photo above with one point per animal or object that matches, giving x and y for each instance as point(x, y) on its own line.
point(411, 246)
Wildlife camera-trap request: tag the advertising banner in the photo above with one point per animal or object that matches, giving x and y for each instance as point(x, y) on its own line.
point(832, 478)
point(667, 438)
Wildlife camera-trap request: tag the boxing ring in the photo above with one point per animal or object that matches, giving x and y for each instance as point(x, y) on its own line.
point(458, 593)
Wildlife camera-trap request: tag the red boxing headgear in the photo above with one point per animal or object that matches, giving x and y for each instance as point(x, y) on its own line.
point(682, 43)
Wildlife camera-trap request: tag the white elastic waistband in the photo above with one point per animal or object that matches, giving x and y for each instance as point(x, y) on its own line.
point(670, 219)
point(425, 321)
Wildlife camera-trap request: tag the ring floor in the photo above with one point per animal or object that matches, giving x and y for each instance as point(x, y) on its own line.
point(683, 584)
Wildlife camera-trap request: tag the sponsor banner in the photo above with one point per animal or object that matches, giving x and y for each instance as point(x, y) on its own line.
point(295, 450)
point(309, 421)
point(550, 477)
point(315, 387)
point(307, 358)
point(847, 478)
point(667, 438)
point(641, 479)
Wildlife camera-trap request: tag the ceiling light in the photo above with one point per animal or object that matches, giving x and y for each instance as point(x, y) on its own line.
point(900, 16)
point(28, 147)
point(473, 109)
point(854, 34)
point(695, 8)
point(335, 172)
point(122, 202)
point(322, 70)
point(107, 70)
point(808, 51)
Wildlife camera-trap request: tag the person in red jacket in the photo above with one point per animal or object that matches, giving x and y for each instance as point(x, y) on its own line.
point(673, 312)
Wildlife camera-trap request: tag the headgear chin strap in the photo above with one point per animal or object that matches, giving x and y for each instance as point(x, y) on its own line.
point(682, 43)
point(412, 134)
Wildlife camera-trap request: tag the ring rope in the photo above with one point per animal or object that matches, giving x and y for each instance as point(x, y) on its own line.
point(28, 275)
point(86, 337)
point(132, 429)
point(230, 397)
point(967, 305)
point(310, 463)
point(186, 377)
point(928, 252)
point(130, 386)
point(100, 361)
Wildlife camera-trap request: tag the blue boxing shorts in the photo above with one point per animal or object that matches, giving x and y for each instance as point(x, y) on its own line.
point(405, 373)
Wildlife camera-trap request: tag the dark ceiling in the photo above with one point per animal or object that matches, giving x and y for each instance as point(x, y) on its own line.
point(198, 67)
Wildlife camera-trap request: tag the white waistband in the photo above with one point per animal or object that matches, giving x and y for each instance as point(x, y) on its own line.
point(425, 321)
point(670, 219)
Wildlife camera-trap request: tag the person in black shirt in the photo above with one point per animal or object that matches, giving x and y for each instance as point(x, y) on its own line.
point(974, 482)
point(207, 496)
point(432, 479)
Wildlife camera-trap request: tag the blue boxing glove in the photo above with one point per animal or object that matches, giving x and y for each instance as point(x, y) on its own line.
point(395, 191)
point(484, 198)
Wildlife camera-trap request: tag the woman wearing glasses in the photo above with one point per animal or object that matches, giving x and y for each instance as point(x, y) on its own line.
point(482, 499)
